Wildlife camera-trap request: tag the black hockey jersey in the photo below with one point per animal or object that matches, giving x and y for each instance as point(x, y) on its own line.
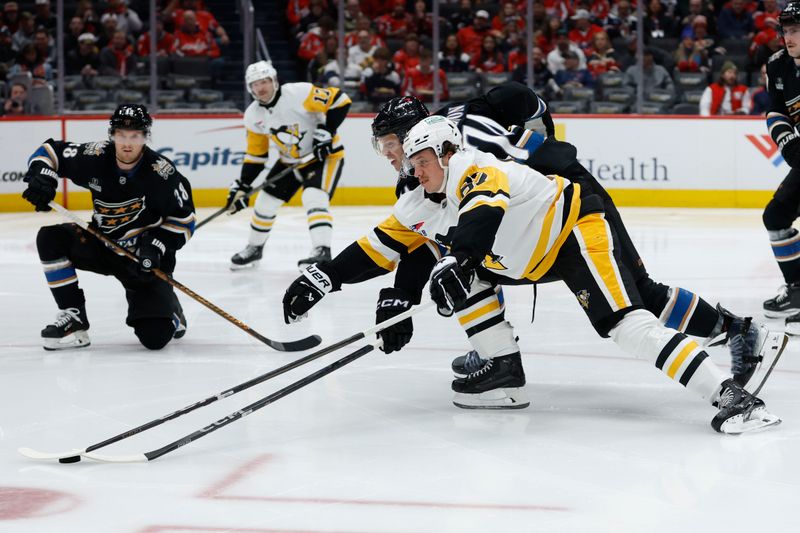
point(783, 85)
point(153, 196)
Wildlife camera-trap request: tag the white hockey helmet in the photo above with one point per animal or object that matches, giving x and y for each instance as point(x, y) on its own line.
point(432, 132)
point(261, 70)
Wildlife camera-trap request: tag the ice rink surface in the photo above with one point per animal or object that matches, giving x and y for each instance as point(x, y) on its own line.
point(609, 444)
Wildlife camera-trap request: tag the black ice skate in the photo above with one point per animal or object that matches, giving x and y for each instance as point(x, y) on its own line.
point(740, 411)
point(498, 384)
point(787, 302)
point(317, 255)
point(754, 349)
point(467, 364)
point(68, 331)
point(249, 257)
point(180, 324)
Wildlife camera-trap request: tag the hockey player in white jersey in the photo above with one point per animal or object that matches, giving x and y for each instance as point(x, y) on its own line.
point(506, 223)
point(295, 120)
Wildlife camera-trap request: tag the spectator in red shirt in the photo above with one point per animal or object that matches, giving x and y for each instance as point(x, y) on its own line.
point(603, 57)
point(117, 59)
point(191, 42)
point(489, 58)
point(407, 57)
point(313, 42)
point(164, 41)
point(548, 38)
point(771, 10)
point(726, 96)
point(396, 24)
point(584, 30)
point(205, 19)
point(508, 13)
point(471, 37)
point(419, 80)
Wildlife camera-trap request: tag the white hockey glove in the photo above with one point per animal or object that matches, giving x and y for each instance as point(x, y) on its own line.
point(450, 284)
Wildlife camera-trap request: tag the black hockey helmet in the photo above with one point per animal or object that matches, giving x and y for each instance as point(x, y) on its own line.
point(130, 117)
point(789, 15)
point(398, 115)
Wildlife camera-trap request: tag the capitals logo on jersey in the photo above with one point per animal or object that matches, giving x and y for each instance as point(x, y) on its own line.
point(288, 138)
point(109, 216)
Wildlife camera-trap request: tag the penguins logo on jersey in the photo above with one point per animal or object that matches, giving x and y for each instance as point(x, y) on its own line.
point(493, 262)
point(109, 216)
point(288, 139)
point(583, 298)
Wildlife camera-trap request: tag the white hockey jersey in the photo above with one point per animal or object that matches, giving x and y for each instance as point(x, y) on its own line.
point(291, 122)
point(539, 212)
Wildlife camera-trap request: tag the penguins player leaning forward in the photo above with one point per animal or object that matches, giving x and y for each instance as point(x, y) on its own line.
point(505, 223)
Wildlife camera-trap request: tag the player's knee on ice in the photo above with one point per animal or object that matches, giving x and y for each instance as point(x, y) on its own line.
point(51, 242)
point(154, 333)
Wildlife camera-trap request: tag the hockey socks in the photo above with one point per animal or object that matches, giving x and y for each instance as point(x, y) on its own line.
point(264, 213)
point(63, 282)
point(680, 358)
point(688, 313)
point(786, 248)
point(320, 221)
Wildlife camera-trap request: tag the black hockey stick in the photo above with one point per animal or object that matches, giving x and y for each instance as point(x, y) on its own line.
point(236, 415)
point(74, 455)
point(290, 346)
point(272, 179)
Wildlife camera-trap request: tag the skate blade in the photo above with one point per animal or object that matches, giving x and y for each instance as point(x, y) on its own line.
point(792, 329)
point(781, 314)
point(234, 267)
point(771, 351)
point(79, 339)
point(758, 419)
point(494, 399)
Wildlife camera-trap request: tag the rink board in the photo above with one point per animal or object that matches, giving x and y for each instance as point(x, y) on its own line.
point(643, 161)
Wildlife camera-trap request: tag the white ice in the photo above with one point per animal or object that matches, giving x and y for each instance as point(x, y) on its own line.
point(609, 444)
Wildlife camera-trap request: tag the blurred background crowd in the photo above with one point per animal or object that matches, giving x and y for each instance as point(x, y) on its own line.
point(584, 55)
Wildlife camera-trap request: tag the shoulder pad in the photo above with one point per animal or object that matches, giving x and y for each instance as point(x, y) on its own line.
point(776, 55)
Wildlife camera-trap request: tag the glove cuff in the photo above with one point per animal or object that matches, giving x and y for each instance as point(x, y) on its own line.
point(786, 140)
point(395, 295)
point(320, 278)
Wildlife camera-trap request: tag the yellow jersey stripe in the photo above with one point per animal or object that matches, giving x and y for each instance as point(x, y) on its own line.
point(257, 144)
point(332, 163)
point(572, 217)
point(481, 311)
point(547, 226)
point(315, 218)
point(684, 353)
point(593, 231)
point(377, 257)
point(261, 223)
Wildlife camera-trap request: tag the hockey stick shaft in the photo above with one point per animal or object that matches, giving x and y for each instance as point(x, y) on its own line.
point(303, 163)
point(263, 402)
point(262, 378)
point(291, 346)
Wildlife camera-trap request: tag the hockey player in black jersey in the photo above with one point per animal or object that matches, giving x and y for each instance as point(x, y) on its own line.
point(140, 201)
point(783, 85)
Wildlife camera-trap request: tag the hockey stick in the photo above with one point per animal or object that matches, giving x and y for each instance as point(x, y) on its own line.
point(75, 454)
point(290, 346)
point(236, 415)
point(304, 162)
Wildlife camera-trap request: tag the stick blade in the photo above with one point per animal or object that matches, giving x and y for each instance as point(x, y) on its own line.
point(37, 455)
point(296, 346)
point(135, 458)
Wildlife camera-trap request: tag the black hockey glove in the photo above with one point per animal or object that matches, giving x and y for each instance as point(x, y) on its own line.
point(323, 143)
point(450, 283)
point(392, 302)
point(315, 282)
point(42, 184)
point(238, 196)
point(790, 150)
point(149, 253)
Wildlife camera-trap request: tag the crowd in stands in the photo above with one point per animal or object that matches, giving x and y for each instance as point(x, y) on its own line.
point(700, 56)
point(102, 38)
